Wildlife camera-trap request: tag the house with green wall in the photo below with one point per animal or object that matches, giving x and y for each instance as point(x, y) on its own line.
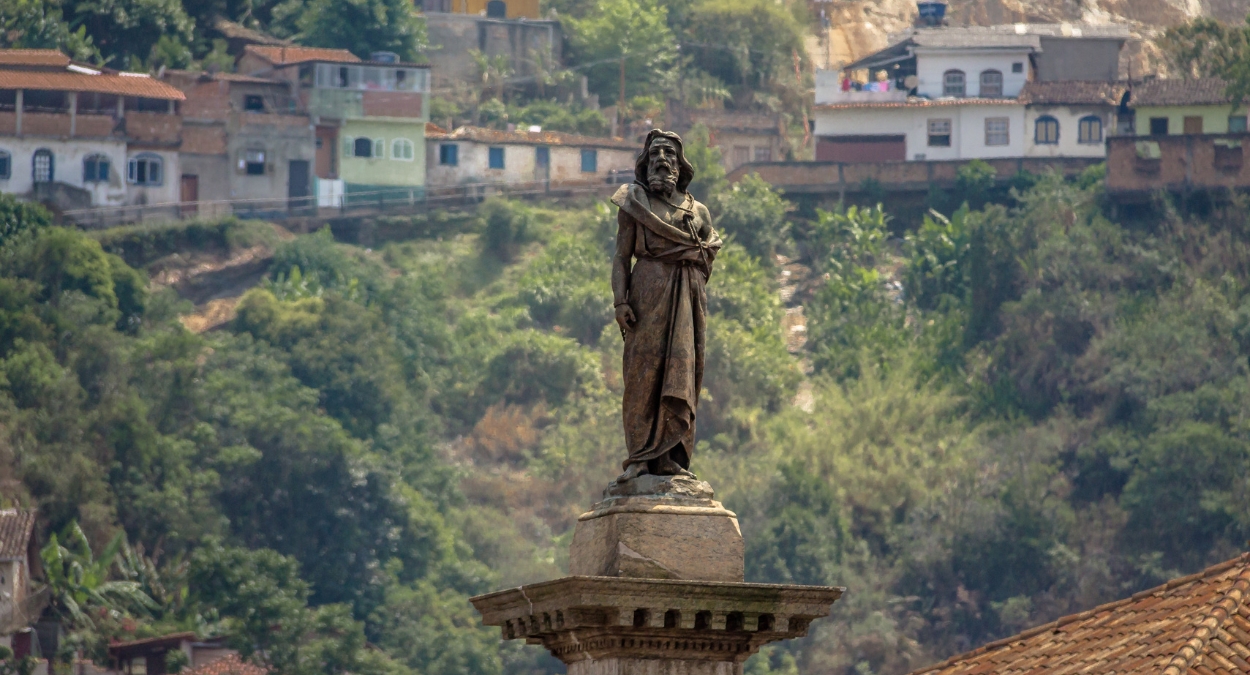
point(369, 118)
point(1174, 107)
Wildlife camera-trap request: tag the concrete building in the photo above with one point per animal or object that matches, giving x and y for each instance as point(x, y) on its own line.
point(956, 93)
point(1072, 119)
point(247, 145)
point(1172, 107)
point(368, 116)
point(473, 155)
point(741, 136)
point(77, 136)
point(532, 46)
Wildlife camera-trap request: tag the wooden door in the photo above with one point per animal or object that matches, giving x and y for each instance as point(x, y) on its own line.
point(189, 194)
point(1193, 125)
point(299, 185)
point(327, 152)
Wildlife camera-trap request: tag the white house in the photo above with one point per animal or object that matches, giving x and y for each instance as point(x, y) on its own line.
point(81, 136)
point(475, 155)
point(956, 93)
point(1071, 119)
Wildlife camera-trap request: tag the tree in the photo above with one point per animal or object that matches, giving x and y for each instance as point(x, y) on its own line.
point(126, 30)
point(754, 215)
point(626, 44)
point(709, 173)
point(363, 26)
point(38, 24)
point(83, 583)
point(1204, 47)
point(745, 42)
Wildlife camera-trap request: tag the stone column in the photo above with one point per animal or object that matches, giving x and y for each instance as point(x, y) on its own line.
point(657, 590)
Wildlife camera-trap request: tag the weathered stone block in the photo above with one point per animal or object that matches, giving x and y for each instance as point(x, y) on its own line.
point(658, 527)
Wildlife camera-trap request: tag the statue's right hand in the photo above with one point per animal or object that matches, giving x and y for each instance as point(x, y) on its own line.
point(625, 318)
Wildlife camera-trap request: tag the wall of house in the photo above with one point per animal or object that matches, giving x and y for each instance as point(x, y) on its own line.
point(1180, 163)
point(282, 138)
point(169, 191)
point(212, 174)
point(967, 128)
point(68, 159)
point(1069, 118)
point(452, 37)
point(520, 164)
point(1089, 59)
point(730, 142)
point(1214, 117)
point(384, 170)
point(931, 69)
point(11, 586)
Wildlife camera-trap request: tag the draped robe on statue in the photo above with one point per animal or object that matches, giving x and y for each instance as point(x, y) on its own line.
point(663, 362)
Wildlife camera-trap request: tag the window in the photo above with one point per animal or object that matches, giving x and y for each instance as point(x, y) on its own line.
point(542, 156)
point(379, 148)
point(95, 169)
point(954, 84)
point(590, 161)
point(1017, 67)
point(41, 165)
point(996, 131)
point(254, 162)
point(362, 147)
point(1193, 125)
point(254, 102)
point(6, 165)
point(1045, 131)
point(449, 154)
point(742, 155)
point(401, 149)
point(991, 84)
point(939, 133)
point(1158, 126)
point(1089, 129)
point(495, 158)
point(763, 154)
point(1237, 124)
point(145, 169)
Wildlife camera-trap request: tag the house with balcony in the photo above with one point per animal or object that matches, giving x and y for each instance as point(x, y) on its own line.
point(954, 93)
point(247, 145)
point(80, 136)
point(368, 117)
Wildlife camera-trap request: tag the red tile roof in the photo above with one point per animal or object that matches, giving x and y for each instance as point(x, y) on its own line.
point(295, 54)
point(121, 84)
point(16, 527)
point(1205, 91)
point(1073, 93)
point(1199, 624)
point(484, 135)
point(230, 664)
point(32, 57)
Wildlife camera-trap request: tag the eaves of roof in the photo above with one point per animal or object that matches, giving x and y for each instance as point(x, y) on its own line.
point(918, 102)
point(126, 84)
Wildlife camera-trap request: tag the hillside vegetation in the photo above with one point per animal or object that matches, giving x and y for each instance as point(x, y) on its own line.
point(1001, 415)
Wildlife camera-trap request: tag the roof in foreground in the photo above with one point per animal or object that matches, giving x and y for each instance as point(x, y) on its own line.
point(283, 55)
point(1205, 91)
point(16, 526)
point(32, 57)
point(484, 135)
point(1196, 624)
point(231, 664)
point(122, 84)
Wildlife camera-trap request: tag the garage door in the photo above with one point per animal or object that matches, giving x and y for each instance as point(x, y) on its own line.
point(861, 148)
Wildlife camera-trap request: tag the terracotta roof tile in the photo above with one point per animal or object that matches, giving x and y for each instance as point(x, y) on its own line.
point(1194, 624)
point(230, 664)
point(484, 135)
point(296, 54)
point(16, 527)
point(122, 84)
point(1205, 91)
point(32, 57)
point(1073, 93)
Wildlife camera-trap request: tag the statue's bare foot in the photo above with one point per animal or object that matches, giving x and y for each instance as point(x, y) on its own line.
point(665, 466)
point(632, 471)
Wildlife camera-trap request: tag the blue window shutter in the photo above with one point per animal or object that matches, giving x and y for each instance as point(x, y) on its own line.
point(496, 158)
point(590, 161)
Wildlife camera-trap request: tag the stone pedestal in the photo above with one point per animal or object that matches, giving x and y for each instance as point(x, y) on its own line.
point(656, 590)
point(658, 527)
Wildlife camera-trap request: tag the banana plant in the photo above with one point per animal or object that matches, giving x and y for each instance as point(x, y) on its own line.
point(84, 585)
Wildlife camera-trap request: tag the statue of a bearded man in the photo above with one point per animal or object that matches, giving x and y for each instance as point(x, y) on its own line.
point(661, 304)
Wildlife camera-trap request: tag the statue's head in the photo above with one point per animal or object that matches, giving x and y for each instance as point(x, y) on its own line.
point(663, 166)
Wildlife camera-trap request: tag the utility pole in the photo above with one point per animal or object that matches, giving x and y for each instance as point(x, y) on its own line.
point(620, 101)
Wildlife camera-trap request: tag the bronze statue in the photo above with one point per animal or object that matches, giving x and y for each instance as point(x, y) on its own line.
point(661, 305)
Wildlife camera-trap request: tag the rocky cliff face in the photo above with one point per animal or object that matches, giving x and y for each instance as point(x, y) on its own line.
point(859, 27)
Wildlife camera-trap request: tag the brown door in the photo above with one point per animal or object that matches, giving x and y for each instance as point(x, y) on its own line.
point(190, 194)
point(327, 152)
point(1193, 125)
